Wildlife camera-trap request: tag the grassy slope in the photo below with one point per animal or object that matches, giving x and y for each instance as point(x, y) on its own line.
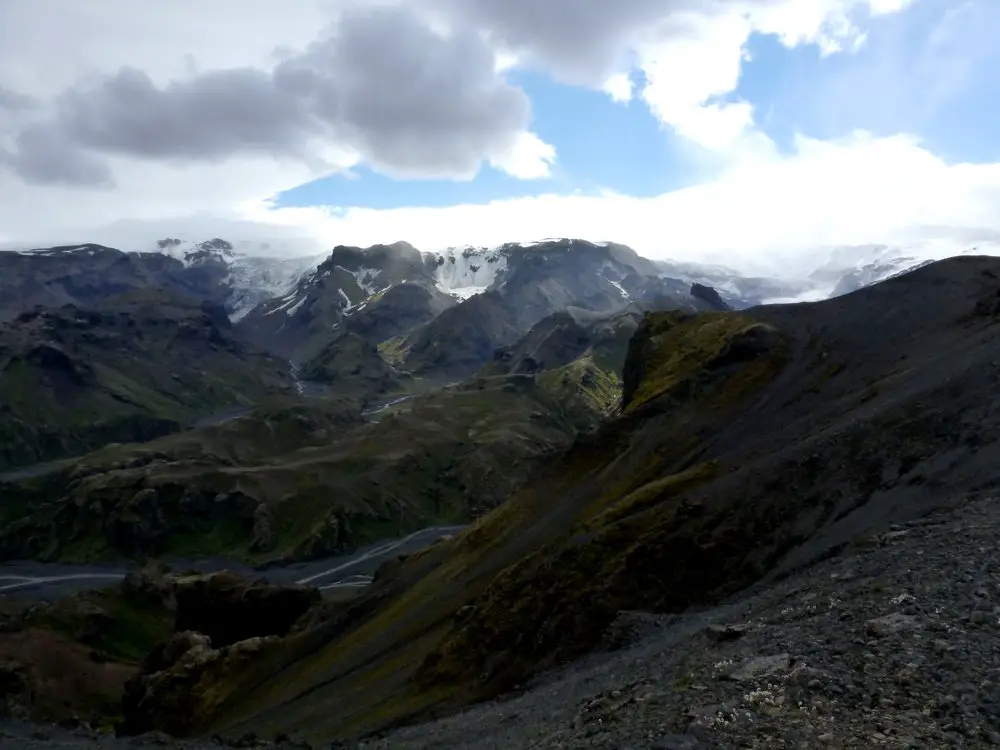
point(742, 452)
point(323, 482)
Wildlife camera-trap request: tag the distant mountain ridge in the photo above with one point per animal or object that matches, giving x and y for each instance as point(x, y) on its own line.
point(260, 276)
point(497, 294)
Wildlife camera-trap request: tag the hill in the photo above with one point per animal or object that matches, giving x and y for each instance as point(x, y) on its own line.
point(299, 480)
point(87, 275)
point(141, 365)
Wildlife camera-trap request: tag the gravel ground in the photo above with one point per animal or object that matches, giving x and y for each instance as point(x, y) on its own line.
point(893, 644)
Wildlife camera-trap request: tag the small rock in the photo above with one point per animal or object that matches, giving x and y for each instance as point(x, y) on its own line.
point(726, 632)
point(761, 666)
point(979, 617)
point(679, 742)
point(891, 624)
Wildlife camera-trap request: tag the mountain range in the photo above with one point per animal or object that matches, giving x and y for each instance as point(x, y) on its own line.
point(619, 439)
point(251, 273)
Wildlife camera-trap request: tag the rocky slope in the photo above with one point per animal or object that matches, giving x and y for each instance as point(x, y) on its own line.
point(525, 285)
point(87, 275)
point(352, 366)
point(565, 336)
point(866, 650)
point(750, 447)
point(143, 364)
point(351, 281)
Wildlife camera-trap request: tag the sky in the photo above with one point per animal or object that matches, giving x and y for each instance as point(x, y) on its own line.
point(755, 133)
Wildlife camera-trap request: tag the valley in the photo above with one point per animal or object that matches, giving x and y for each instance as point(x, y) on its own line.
point(394, 496)
point(48, 581)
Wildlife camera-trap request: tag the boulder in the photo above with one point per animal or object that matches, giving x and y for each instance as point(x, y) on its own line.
point(181, 698)
point(149, 585)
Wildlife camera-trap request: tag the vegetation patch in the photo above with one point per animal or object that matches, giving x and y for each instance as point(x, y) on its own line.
point(675, 353)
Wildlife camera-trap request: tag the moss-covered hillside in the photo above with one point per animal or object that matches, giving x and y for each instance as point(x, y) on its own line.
point(72, 380)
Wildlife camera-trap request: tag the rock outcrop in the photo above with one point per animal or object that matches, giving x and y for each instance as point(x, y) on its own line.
point(226, 607)
point(351, 366)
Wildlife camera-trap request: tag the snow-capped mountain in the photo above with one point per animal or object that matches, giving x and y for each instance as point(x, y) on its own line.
point(369, 286)
point(88, 274)
point(377, 291)
point(737, 290)
point(252, 274)
point(387, 290)
point(849, 268)
point(467, 270)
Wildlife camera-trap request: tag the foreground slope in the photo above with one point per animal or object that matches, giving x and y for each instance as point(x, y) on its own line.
point(750, 445)
point(865, 650)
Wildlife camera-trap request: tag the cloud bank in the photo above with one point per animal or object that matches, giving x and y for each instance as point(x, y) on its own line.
point(197, 116)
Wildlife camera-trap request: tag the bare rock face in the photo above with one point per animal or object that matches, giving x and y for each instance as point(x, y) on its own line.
point(149, 585)
point(709, 296)
point(192, 682)
point(223, 623)
point(229, 608)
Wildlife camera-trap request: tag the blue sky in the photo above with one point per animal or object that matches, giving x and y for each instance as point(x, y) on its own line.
point(601, 145)
point(932, 71)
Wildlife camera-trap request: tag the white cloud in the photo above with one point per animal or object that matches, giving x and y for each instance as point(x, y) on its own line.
point(760, 216)
point(530, 158)
point(769, 214)
point(682, 58)
point(619, 88)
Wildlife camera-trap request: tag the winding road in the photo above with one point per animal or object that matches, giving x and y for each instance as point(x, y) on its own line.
point(47, 581)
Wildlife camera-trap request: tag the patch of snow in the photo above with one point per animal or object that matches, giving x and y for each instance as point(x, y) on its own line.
point(619, 287)
point(239, 313)
point(254, 280)
point(292, 310)
point(365, 277)
point(464, 292)
point(286, 302)
point(536, 243)
point(466, 271)
point(347, 300)
point(810, 295)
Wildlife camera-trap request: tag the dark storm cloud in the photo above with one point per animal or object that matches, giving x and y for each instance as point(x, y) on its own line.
point(408, 100)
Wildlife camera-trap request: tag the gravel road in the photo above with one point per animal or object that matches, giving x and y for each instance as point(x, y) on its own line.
point(47, 581)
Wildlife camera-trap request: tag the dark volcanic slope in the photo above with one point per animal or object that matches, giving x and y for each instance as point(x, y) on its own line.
point(459, 340)
point(563, 337)
point(376, 292)
point(74, 379)
point(89, 274)
point(750, 444)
